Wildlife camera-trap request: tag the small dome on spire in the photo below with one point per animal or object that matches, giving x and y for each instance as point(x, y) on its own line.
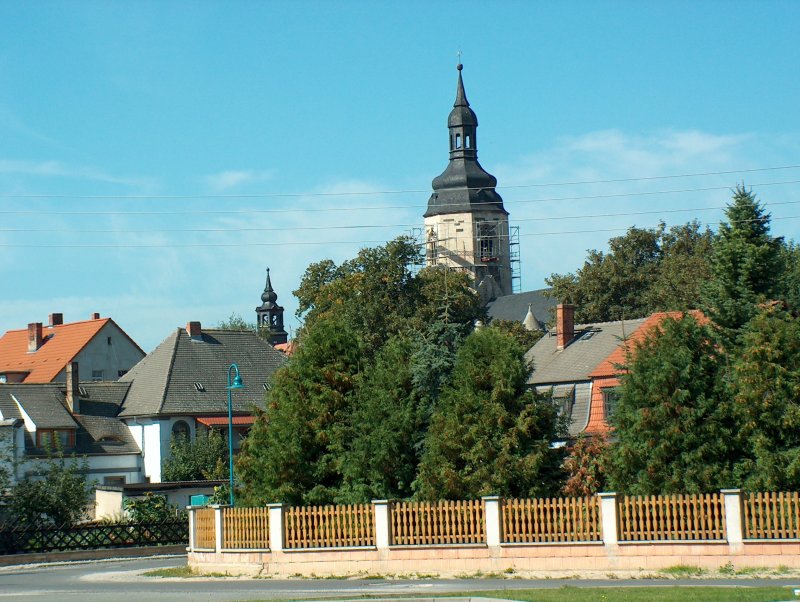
point(269, 295)
point(461, 114)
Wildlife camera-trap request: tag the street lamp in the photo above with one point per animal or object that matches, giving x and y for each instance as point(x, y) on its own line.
point(235, 384)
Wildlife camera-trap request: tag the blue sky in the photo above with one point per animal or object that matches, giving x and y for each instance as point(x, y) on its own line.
point(156, 157)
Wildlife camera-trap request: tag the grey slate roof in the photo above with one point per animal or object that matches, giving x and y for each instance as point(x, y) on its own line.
point(45, 405)
point(163, 383)
point(42, 402)
point(591, 345)
point(515, 307)
point(104, 435)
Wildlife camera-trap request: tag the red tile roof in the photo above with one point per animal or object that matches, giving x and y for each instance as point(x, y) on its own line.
point(60, 344)
point(223, 420)
point(619, 357)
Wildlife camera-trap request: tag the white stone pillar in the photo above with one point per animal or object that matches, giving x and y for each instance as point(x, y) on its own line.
point(608, 516)
point(192, 526)
point(218, 526)
point(734, 525)
point(275, 527)
point(382, 524)
point(491, 518)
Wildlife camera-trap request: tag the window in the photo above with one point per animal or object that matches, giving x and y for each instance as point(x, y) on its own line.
point(458, 141)
point(181, 429)
point(466, 141)
point(199, 387)
point(610, 398)
point(488, 241)
point(55, 438)
point(117, 481)
point(97, 375)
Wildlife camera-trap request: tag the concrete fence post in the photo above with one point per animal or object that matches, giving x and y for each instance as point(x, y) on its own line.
point(608, 516)
point(192, 527)
point(491, 518)
point(218, 526)
point(383, 526)
point(734, 525)
point(275, 527)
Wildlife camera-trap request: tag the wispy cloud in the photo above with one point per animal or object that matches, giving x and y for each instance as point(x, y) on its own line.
point(58, 169)
point(234, 178)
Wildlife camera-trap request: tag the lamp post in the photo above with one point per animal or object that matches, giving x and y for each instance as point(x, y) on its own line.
point(233, 369)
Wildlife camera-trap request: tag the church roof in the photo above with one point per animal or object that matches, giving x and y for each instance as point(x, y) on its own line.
point(515, 307)
point(464, 186)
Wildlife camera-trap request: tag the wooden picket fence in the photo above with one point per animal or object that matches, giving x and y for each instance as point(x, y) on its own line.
point(329, 526)
point(205, 529)
point(771, 515)
point(434, 523)
point(245, 528)
point(551, 520)
point(677, 517)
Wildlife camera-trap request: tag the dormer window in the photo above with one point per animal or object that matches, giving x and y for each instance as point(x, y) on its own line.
point(199, 387)
point(55, 439)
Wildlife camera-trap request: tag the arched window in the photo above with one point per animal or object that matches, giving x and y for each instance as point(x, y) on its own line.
point(466, 141)
point(458, 141)
point(181, 429)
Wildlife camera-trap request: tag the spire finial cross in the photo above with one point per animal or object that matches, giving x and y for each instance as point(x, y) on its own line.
point(458, 54)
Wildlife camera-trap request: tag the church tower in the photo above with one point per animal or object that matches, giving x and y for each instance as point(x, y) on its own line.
point(466, 225)
point(269, 315)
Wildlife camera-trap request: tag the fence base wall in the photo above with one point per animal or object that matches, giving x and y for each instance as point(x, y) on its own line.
point(450, 561)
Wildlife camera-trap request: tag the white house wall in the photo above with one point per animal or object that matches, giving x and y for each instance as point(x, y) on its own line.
point(119, 356)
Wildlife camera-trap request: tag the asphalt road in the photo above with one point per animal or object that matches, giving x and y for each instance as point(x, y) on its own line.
point(121, 581)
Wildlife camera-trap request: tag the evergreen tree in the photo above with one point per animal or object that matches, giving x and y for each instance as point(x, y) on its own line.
point(746, 266)
point(392, 411)
point(765, 385)
point(674, 430)
point(489, 434)
point(293, 453)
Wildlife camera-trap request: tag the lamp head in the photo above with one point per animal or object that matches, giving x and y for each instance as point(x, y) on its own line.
point(237, 383)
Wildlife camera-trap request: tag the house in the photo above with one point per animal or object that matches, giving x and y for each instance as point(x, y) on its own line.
point(565, 359)
point(124, 428)
point(180, 388)
point(75, 418)
point(41, 354)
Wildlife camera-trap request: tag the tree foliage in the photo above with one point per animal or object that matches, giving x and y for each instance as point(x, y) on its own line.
point(489, 434)
point(294, 449)
point(152, 508)
point(646, 270)
point(585, 466)
point(674, 430)
point(765, 387)
point(203, 459)
point(746, 266)
point(378, 295)
point(58, 496)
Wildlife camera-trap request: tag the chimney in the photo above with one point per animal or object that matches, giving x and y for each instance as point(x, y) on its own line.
point(195, 331)
point(56, 319)
point(72, 388)
point(565, 325)
point(34, 336)
point(95, 316)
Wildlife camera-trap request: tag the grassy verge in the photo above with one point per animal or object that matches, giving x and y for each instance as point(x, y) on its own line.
point(650, 594)
point(181, 571)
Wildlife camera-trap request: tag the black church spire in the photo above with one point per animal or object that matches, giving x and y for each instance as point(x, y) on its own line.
point(269, 315)
point(464, 186)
